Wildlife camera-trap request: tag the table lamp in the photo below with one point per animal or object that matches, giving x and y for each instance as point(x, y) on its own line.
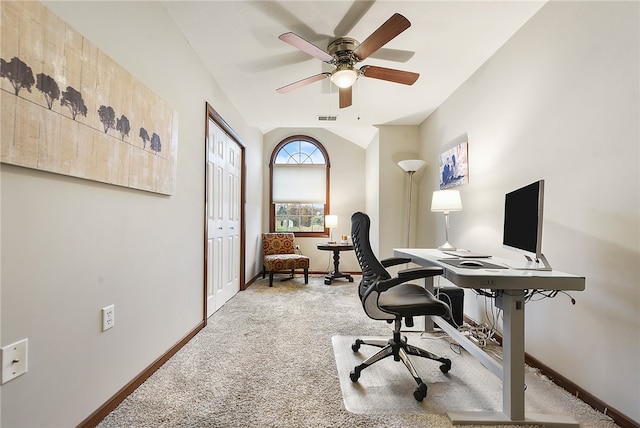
point(331, 221)
point(445, 201)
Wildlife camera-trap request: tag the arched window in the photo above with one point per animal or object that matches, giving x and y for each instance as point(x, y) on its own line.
point(299, 177)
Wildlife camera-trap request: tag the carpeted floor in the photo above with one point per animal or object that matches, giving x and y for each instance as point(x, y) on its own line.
point(266, 359)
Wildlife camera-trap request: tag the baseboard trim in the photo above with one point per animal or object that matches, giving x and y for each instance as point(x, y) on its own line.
point(583, 395)
point(102, 412)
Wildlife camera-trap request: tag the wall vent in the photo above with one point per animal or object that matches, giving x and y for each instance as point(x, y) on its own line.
point(328, 118)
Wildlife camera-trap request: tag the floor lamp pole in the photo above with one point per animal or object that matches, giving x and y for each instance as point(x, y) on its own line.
point(410, 166)
point(409, 212)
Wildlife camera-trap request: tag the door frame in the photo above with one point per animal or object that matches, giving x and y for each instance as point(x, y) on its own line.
point(212, 114)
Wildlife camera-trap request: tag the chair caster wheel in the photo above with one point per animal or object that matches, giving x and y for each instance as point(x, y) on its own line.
point(354, 375)
point(356, 345)
point(420, 392)
point(446, 365)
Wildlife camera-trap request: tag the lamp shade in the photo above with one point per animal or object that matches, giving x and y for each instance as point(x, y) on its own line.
point(331, 221)
point(411, 165)
point(445, 201)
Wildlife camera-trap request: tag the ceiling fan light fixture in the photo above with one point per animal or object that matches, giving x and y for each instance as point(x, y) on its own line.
point(344, 76)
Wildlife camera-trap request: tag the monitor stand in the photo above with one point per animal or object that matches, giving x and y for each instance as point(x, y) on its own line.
point(530, 264)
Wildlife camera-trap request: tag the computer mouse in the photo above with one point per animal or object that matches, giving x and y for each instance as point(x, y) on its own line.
point(471, 263)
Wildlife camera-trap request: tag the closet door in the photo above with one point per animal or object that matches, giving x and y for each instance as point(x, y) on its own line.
point(223, 176)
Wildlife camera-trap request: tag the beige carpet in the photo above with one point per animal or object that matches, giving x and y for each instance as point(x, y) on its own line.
point(266, 359)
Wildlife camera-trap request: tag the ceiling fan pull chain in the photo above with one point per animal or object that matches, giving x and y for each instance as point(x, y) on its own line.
point(330, 98)
point(358, 98)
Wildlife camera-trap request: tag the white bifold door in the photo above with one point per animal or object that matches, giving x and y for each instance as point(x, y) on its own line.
point(223, 175)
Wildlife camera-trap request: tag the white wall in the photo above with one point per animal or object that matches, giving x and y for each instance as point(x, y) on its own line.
point(372, 203)
point(71, 246)
point(347, 191)
point(560, 101)
point(397, 142)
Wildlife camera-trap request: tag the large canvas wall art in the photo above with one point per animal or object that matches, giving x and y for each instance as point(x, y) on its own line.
point(454, 167)
point(68, 108)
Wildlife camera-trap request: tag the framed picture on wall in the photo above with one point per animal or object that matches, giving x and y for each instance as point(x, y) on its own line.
point(68, 108)
point(454, 167)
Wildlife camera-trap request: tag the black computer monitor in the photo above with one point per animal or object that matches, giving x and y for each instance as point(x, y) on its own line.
point(522, 230)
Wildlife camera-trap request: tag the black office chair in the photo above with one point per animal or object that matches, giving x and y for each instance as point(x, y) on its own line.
point(392, 299)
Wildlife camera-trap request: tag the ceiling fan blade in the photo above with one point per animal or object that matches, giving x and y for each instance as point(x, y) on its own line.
point(300, 83)
point(386, 32)
point(390, 74)
point(305, 46)
point(345, 97)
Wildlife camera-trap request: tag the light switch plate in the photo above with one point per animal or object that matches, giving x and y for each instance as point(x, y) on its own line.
point(14, 360)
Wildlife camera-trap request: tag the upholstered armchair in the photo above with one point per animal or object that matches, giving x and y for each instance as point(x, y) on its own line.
point(279, 254)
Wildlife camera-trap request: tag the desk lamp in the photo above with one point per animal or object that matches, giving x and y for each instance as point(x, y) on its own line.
point(410, 166)
point(331, 221)
point(445, 201)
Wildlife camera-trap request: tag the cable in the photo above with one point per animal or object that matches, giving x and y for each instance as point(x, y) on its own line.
point(537, 295)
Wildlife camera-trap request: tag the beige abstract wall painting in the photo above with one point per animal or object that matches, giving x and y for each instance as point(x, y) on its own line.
point(67, 108)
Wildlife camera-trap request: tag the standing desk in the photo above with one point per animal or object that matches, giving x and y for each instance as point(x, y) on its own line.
point(510, 285)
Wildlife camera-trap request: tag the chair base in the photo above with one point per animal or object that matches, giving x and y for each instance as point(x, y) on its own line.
point(400, 350)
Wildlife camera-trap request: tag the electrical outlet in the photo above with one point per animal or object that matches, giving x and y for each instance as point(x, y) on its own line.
point(14, 360)
point(108, 317)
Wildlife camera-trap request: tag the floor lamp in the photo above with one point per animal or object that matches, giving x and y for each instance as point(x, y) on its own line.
point(410, 166)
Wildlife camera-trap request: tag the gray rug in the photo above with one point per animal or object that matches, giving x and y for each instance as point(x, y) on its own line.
point(266, 359)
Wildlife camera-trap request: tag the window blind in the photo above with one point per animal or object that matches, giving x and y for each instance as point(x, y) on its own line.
point(299, 183)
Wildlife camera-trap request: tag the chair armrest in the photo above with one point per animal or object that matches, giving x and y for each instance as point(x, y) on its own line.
point(392, 261)
point(407, 275)
point(419, 272)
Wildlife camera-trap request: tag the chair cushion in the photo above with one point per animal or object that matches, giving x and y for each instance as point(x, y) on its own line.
point(411, 300)
point(278, 243)
point(276, 262)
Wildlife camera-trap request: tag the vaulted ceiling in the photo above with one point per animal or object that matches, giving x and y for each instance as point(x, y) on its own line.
point(446, 43)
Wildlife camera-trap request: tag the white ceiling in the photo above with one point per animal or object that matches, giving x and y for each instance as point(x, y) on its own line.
point(447, 42)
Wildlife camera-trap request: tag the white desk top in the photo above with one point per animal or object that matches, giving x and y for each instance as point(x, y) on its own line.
point(496, 279)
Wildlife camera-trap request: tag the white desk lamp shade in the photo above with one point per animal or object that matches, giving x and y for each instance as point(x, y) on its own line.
point(445, 201)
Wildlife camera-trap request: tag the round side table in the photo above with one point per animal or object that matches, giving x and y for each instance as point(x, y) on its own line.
point(336, 248)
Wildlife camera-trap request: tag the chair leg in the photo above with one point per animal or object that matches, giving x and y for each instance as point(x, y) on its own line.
point(385, 352)
point(306, 275)
point(263, 271)
point(270, 278)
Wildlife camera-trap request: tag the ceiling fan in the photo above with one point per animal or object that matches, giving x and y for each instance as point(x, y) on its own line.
point(344, 52)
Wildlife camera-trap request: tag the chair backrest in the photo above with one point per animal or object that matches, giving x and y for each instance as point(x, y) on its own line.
point(278, 243)
point(372, 269)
